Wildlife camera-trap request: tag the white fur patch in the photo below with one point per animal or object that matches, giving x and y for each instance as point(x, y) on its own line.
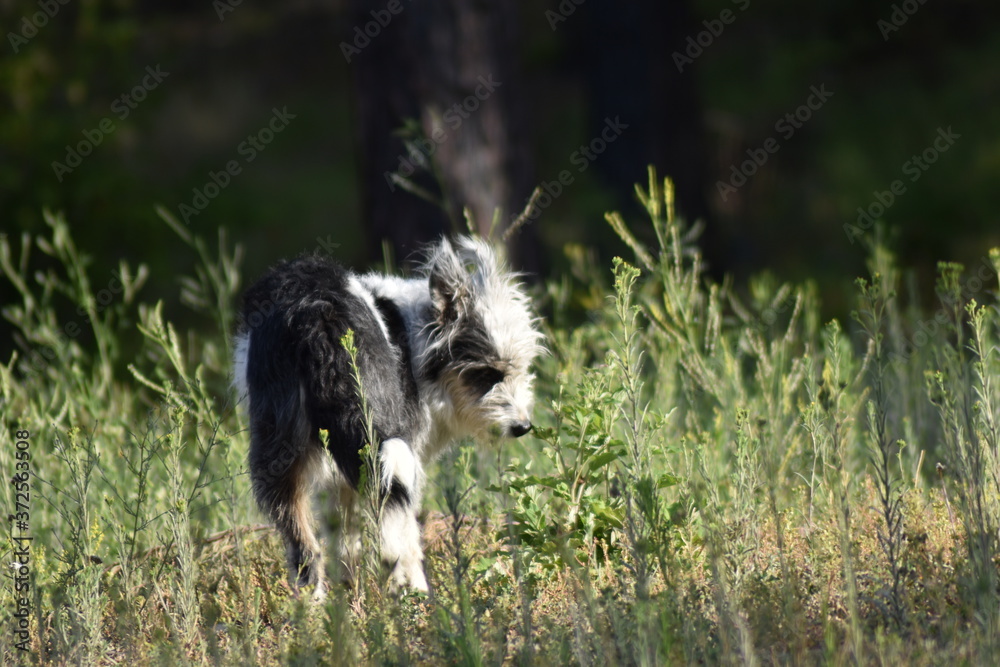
point(398, 461)
point(400, 530)
point(408, 294)
point(355, 287)
point(240, 353)
point(401, 545)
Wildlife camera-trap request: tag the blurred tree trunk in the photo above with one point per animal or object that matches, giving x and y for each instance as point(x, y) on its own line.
point(449, 65)
point(386, 96)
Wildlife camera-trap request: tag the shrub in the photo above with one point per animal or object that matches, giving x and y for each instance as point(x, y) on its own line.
point(716, 476)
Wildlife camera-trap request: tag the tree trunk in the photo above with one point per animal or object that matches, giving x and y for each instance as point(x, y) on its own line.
point(449, 65)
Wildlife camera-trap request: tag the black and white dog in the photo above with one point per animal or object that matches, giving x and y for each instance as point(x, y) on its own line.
point(441, 356)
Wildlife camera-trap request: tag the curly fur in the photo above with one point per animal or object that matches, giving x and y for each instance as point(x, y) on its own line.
point(441, 356)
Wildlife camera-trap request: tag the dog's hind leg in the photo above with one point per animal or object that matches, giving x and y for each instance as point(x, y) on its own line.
point(347, 536)
point(283, 488)
point(402, 478)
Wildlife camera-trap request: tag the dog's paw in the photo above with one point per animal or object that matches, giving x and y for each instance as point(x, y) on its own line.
point(408, 579)
point(319, 593)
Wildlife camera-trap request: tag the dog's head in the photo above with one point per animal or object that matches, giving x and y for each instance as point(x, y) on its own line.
point(481, 340)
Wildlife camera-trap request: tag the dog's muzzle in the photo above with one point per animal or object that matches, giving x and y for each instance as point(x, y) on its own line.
point(517, 429)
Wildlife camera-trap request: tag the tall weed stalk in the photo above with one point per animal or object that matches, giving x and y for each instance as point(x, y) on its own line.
point(884, 452)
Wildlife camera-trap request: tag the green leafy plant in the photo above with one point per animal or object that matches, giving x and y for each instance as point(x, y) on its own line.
point(714, 477)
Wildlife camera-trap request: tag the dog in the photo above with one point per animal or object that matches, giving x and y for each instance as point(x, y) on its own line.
point(440, 356)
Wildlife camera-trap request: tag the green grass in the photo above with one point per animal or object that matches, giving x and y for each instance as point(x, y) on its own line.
point(717, 476)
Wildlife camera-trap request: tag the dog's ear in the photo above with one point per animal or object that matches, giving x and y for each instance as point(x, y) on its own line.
point(449, 283)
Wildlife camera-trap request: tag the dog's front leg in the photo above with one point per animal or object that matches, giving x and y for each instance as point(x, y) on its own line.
point(402, 479)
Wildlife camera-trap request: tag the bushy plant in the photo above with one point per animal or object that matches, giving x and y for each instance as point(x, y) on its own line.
point(715, 476)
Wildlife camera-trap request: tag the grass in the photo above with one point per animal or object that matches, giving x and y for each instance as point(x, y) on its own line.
point(717, 476)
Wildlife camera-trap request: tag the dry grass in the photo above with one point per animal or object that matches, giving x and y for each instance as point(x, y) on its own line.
point(709, 482)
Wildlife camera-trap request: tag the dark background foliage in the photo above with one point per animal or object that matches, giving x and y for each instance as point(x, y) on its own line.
point(568, 68)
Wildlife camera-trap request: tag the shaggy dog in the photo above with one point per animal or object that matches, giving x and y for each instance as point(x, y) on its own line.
point(440, 357)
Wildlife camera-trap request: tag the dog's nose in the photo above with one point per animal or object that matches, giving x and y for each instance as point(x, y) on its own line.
point(517, 429)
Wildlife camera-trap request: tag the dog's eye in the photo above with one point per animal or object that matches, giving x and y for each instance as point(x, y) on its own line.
point(482, 378)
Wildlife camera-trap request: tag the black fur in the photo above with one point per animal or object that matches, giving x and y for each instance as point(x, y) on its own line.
point(481, 379)
point(469, 345)
point(299, 343)
point(430, 369)
point(297, 315)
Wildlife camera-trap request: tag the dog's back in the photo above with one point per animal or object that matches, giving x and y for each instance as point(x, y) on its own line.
point(441, 356)
point(298, 379)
